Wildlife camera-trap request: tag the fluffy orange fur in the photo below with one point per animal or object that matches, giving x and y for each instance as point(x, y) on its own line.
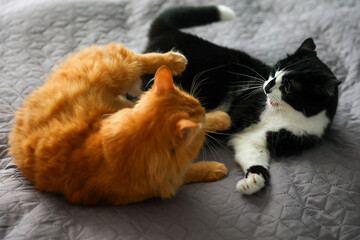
point(79, 136)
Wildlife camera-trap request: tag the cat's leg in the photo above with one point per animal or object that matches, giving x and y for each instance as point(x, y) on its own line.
point(205, 171)
point(150, 62)
point(252, 155)
point(217, 121)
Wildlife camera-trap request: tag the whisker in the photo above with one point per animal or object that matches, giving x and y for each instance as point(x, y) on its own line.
point(198, 75)
point(299, 63)
point(215, 147)
point(247, 83)
point(251, 90)
point(219, 145)
point(148, 83)
point(245, 75)
point(219, 133)
point(206, 141)
point(196, 91)
point(192, 87)
point(251, 70)
point(246, 89)
point(251, 94)
point(244, 84)
point(216, 140)
point(181, 87)
point(210, 147)
point(247, 96)
point(207, 70)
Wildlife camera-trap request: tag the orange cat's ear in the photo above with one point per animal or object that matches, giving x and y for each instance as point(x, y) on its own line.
point(186, 128)
point(163, 81)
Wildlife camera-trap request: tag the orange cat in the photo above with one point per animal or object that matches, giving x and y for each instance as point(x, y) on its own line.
point(79, 136)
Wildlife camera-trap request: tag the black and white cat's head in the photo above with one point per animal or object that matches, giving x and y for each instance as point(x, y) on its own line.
point(304, 82)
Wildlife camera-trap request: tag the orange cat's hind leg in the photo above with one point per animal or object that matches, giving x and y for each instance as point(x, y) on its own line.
point(205, 171)
point(176, 62)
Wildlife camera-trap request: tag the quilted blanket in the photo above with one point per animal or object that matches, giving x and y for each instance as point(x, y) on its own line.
point(315, 195)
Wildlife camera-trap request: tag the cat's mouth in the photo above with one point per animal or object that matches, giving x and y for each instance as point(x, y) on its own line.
point(272, 103)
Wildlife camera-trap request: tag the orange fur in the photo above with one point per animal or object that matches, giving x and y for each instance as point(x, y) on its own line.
point(79, 136)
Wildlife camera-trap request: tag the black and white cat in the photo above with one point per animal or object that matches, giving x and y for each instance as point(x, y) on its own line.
point(275, 111)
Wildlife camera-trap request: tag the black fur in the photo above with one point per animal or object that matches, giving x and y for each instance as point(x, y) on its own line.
point(316, 86)
point(284, 143)
point(222, 65)
point(259, 170)
point(176, 18)
point(225, 74)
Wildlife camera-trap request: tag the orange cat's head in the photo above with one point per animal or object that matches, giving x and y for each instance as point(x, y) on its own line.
point(161, 135)
point(175, 111)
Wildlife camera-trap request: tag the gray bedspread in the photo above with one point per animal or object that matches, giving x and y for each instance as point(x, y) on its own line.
point(312, 196)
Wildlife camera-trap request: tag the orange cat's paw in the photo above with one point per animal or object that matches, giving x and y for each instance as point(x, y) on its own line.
point(215, 171)
point(224, 121)
point(217, 121)
point(176, 62)
point(205, 171)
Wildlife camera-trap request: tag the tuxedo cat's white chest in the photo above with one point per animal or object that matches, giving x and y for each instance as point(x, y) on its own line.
point(283, 116)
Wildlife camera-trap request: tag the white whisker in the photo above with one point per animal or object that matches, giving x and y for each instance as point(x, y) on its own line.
point(150, 81)
point(220, 133)
point(251, 70)
point(246, 96)
point(245, 75)
point(195, 91)
point(246, 89)
point(211, 148)
point(219, 145)
point(195, 84)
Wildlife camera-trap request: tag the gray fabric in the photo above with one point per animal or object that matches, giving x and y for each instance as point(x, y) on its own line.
point(312, 196)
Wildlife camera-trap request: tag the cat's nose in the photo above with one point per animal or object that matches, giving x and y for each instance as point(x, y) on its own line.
point(269, 85)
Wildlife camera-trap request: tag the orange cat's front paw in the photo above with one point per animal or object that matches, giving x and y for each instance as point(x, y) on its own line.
point(216, 171)
point(205, 171)
point(176, 62)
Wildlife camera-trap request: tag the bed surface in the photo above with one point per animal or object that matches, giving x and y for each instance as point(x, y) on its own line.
point(312, 196)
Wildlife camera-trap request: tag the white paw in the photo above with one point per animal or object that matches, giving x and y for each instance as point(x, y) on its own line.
point(251, 184)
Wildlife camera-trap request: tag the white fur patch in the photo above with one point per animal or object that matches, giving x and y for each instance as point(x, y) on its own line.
point(226, 13)
point(275, 95)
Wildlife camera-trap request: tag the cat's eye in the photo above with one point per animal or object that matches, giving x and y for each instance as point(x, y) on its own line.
point(287, 90)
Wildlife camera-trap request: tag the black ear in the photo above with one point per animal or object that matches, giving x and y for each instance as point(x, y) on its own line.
point(333, 82)
point(308, 45)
